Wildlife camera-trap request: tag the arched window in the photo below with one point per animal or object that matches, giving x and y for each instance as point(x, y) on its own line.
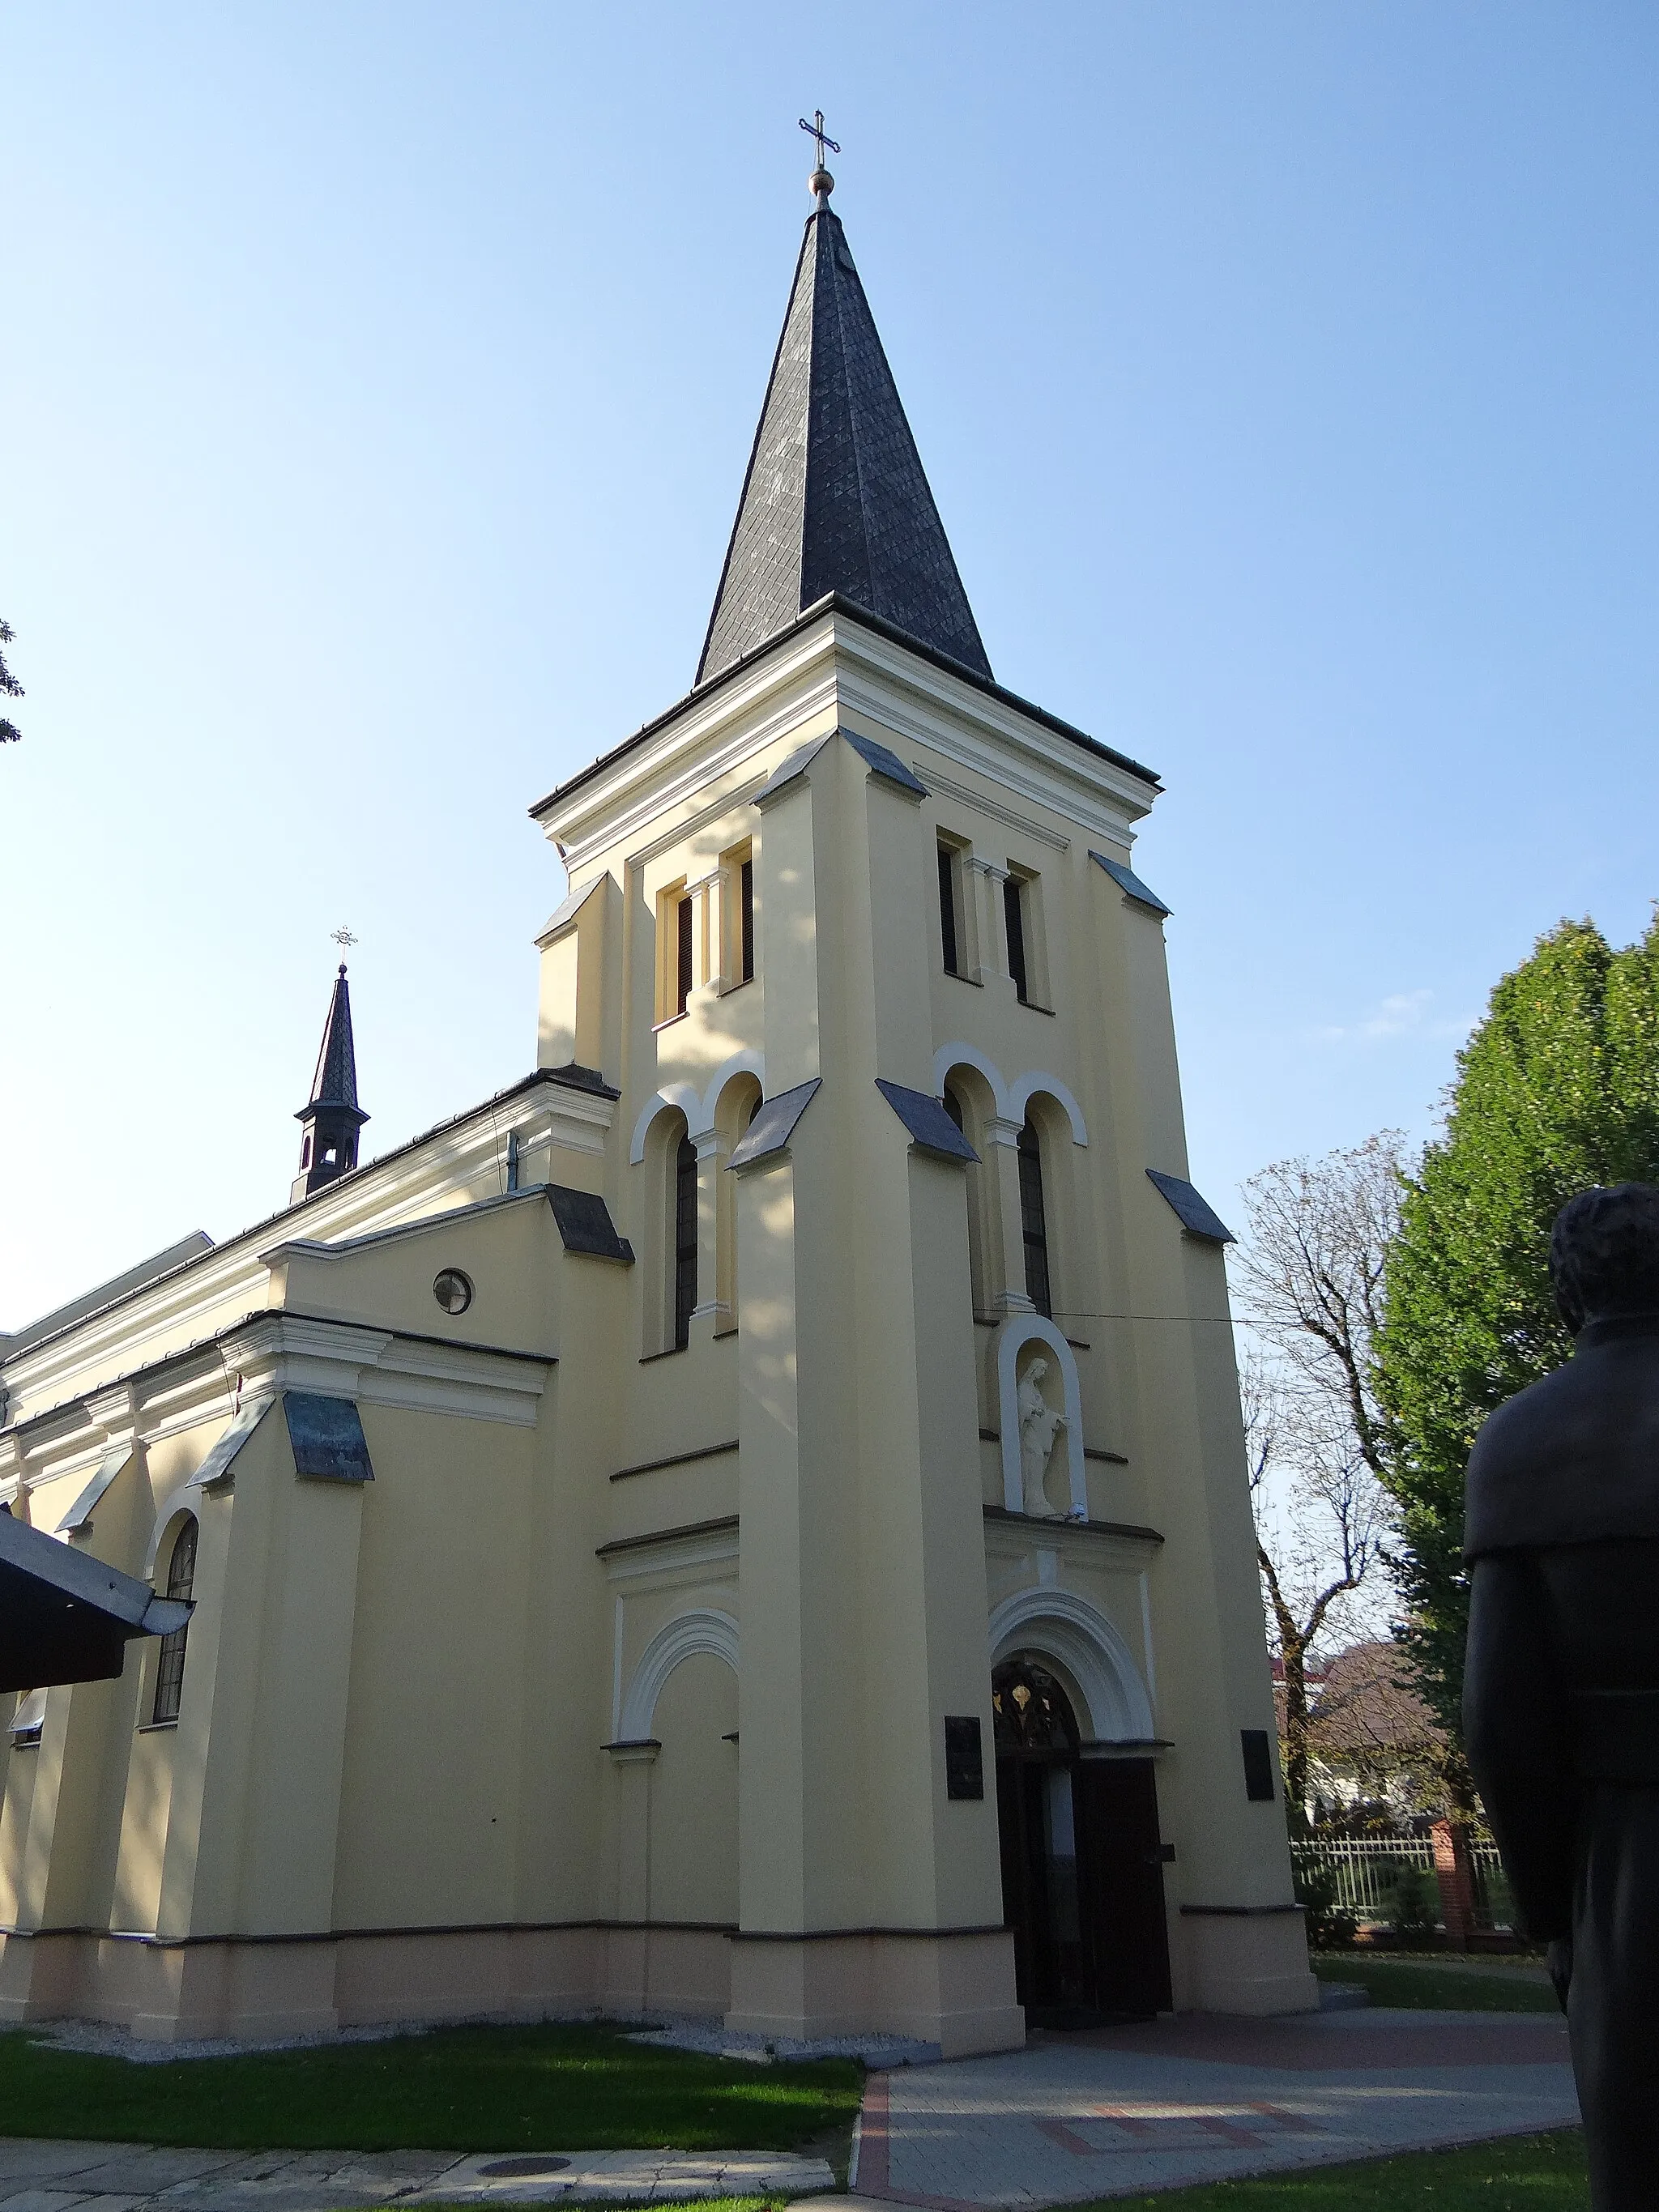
point(170, 1661)
point(686, 1240)
point(1034, 1221)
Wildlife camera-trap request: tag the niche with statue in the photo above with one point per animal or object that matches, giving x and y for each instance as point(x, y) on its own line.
point(1039, 1421)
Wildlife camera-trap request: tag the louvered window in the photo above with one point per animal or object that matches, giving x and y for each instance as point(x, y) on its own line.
point(1013, 911)
point(685, 1241)
point(1034, 1222)
point(947, 907)
point(683, 955)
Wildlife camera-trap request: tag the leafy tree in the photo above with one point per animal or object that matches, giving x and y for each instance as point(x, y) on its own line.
point(9, 688)
point(1556, 1090)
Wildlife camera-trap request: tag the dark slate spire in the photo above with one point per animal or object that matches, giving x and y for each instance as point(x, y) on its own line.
point(333, 1117)
point(835, 499)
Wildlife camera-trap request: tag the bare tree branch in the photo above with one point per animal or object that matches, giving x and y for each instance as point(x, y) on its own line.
point(1310, 1279)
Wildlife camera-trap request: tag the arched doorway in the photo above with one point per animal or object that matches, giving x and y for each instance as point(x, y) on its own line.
point(1082, 1862)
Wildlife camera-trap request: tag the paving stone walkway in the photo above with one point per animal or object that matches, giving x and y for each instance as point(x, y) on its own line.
point(61, 2177)
point(1203, 2098)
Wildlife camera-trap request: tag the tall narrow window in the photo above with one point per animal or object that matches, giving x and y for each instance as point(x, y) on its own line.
point(685, 1241)
point(170, 1659)
point(1013, 908)
point(947, 906)
point(683, 955)
point(1034, 1222)
point(955, 1107)
point(746, 898)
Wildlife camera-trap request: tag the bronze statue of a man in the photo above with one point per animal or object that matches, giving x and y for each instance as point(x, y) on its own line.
point(1561, 1689)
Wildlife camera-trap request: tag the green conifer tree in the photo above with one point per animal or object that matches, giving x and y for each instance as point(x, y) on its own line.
point(1556, 1090)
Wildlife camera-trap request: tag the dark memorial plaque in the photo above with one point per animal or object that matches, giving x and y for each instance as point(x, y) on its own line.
point(964, 1756)
point(1258, 1765)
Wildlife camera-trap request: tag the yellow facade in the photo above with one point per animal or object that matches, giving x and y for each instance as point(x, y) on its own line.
point(623, 1683)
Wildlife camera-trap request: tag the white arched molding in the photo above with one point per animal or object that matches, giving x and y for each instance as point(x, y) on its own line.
point(681, 1097)
point(967, 1055)
point(741, 1063)
point(672, 1097)
point(1012, 1335)
point(1061, 1626)
point(684, 1638)
point(1024, 1088)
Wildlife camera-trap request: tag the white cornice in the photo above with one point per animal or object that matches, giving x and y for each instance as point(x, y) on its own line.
point(269, 1352)
point(682, 760)
point(193, 1304)
point(378, 1367)
point(1082, 1544)
point(673, 1560)
point(1028, 826)
point(836, 663)
point(1022, 755)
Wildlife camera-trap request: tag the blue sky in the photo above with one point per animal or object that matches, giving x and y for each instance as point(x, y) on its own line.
point(377, 385)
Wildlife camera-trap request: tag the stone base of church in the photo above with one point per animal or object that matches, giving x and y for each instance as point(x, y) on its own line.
point(171, 1992)
point(955, 1990)
point(1248, 1962)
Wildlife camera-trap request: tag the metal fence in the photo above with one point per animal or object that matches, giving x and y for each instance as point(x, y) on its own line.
point(1382, 1882)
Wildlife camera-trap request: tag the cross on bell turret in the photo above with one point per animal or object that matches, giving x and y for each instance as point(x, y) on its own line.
point(332, 1117)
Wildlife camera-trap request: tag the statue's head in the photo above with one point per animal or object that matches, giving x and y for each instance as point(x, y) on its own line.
point(1036, 1371)
point(1604, 1254)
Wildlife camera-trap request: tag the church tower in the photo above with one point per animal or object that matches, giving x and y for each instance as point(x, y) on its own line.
point(332, 1118)
point(855, 929)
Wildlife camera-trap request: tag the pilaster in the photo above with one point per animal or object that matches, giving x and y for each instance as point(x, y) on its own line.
point(1007, 1260)
point(863, 1551)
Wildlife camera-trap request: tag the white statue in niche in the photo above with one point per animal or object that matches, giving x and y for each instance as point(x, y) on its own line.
point(1039, 1424)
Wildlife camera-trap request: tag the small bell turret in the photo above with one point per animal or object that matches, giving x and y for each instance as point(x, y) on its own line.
point(333, 1117)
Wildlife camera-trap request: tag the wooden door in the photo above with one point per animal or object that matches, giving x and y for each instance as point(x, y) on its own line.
point(1041, 1891)
point(1121, 1883)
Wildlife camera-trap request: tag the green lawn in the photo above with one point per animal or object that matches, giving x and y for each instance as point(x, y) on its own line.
point(460, 2088)
point(1434, 1986)
point(1524, 2173)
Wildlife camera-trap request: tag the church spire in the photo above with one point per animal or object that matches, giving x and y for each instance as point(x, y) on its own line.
point(332, 1118)
point(835, 499)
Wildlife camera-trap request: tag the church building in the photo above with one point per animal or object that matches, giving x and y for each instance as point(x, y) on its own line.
point(751, 1520)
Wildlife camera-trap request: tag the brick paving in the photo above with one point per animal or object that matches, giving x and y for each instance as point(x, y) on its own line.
point(1180, 2101)
point(37, 2176)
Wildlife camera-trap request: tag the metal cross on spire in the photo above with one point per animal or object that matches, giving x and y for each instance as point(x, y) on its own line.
point(343, 937)
point(820, 181)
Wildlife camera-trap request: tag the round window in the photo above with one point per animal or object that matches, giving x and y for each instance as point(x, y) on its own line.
point(453, 1290)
